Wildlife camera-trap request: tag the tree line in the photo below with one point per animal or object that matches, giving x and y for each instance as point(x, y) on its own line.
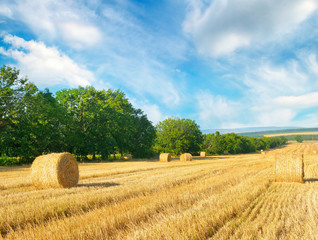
point(82, 121)
point(86, 121)
point(233, 143)
point(178, 136)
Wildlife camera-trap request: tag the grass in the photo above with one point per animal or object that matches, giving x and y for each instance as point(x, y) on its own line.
point(221, 197)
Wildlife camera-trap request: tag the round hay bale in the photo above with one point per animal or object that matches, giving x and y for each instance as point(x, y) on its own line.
point(186, 157)
point(226, 152)
point(289, 167)
point(128, 157)
point(165, 157)
point(202, 154)
point(56, 170)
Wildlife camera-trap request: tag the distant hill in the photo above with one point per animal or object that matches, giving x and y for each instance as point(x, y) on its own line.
point(261, 131)
point(249, 129)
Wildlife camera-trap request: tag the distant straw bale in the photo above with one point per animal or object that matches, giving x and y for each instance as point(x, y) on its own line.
point(289, 167)
point(186, 157)
point(202, 154)
point(128, 157)
point(226, 152)
point(56, 170)
point(165, 157)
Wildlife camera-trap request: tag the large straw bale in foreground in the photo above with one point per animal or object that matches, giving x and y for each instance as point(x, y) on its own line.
point(165, 157)
point(186, 157)
point(56, 170)
point(202, 154)
point(289, 167)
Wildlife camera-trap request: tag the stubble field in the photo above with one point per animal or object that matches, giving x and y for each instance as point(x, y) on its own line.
point(219, 197)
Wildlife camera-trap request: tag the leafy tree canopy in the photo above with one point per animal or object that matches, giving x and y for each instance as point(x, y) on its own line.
point(178, 136)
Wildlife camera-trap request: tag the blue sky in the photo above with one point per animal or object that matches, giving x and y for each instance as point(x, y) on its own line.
point(223, 63)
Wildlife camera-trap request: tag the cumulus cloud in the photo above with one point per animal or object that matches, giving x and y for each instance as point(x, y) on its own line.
point(46, 66)
point(223, 26)
point(126, 51)
point(52, 20)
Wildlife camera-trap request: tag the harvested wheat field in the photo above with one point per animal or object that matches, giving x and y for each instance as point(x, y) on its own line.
point(221, 197)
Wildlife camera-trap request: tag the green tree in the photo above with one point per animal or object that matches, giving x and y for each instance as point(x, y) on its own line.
point(104, 122)
point(234, 143)
point(11, 91)
point(143, 135)
point(89, 131)
point(178, 136)
point(299, 139)
point(37, 126)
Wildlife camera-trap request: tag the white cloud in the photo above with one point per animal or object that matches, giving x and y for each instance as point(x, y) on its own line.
point(46, 66)
point(5, 11)
point(80, 35)
point(302, 101)
point(276, 117)
point(153, 113)
point(126, 51)
point(216, 110)
point(52, 20)
point(151, 110)
point(267, 80)
point(145, 77)
point(276, 94)
point(312, 63)
point(223, 26)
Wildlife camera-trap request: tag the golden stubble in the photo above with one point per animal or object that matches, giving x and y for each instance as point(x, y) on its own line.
point(221, 197)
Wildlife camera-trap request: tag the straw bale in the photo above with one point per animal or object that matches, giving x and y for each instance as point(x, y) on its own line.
point(226, 152)
point(186, 157)
point(56, 170)
point(289, 167)
point(128, 157)
point(202, 154)
point(165, 157)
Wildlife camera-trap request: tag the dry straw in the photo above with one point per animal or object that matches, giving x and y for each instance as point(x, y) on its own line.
point(56, 170)
point(202, 154)
point(186, 157)
point(289, 167)
point(165, 157)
